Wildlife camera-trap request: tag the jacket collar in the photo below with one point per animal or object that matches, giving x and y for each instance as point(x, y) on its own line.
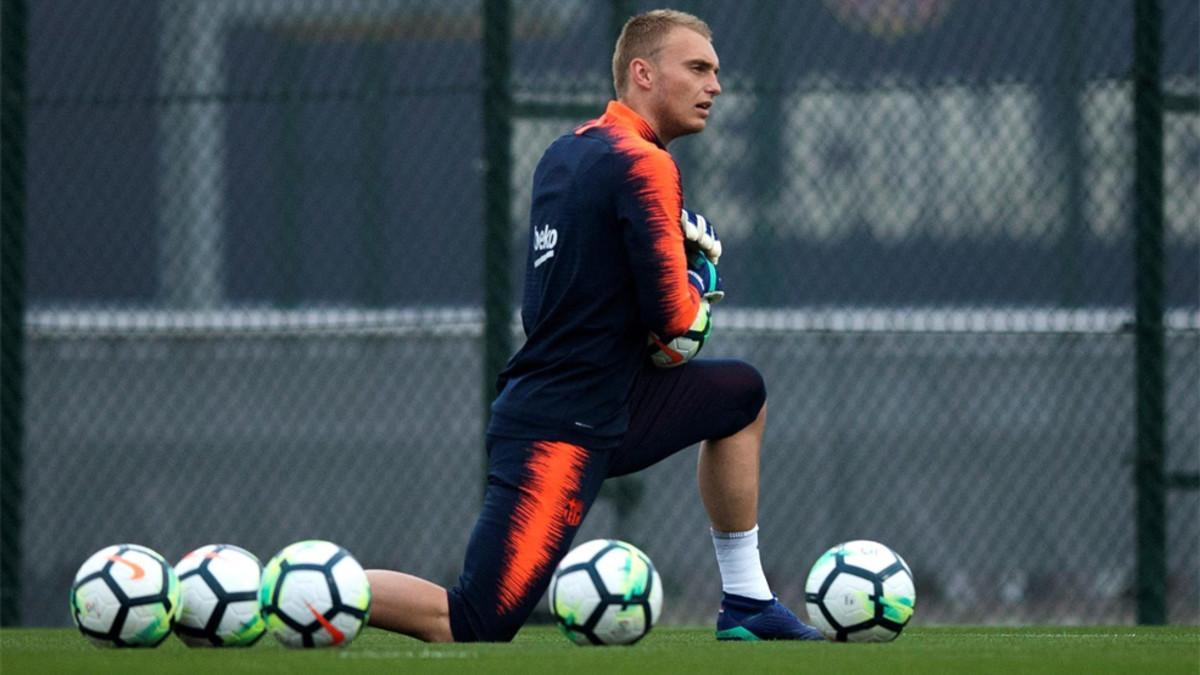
point(623, 115)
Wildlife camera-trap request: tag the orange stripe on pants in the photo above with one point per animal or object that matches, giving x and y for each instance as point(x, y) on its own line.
point(554, 470)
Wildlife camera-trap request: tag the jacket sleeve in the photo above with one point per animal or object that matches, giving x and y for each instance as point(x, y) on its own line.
point(649, 199)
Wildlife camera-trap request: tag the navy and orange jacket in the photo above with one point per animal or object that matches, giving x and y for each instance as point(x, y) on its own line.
point(606, 264)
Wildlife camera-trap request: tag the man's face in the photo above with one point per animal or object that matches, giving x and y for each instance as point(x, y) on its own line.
point(686, 66)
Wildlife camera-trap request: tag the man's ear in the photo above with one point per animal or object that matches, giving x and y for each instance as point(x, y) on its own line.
point(641, 73)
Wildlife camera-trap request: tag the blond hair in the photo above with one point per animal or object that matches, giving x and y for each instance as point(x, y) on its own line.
point(642, 37)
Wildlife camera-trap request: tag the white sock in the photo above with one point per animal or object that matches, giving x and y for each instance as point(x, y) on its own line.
point(741, 568)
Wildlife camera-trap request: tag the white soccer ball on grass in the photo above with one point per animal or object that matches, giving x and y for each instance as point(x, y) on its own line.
point(605, 592)
point(125, 595)
point(314, 594)
point(219, 586)
point(860, 591)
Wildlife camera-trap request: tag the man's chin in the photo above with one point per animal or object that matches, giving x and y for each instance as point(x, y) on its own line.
point(695, 127)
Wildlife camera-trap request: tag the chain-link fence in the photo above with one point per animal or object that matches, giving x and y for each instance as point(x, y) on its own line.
point(254, 251)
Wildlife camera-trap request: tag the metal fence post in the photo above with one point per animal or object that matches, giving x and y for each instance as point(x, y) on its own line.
point(1150, 346)
point(14, 20)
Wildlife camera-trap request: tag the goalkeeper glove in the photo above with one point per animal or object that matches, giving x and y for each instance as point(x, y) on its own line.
point(698, 230)
point(703, 274)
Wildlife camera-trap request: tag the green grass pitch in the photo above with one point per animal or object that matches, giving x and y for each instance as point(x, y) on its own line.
point(540, 649)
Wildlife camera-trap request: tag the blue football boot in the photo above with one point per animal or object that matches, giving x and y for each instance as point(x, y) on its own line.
point(744, 618)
